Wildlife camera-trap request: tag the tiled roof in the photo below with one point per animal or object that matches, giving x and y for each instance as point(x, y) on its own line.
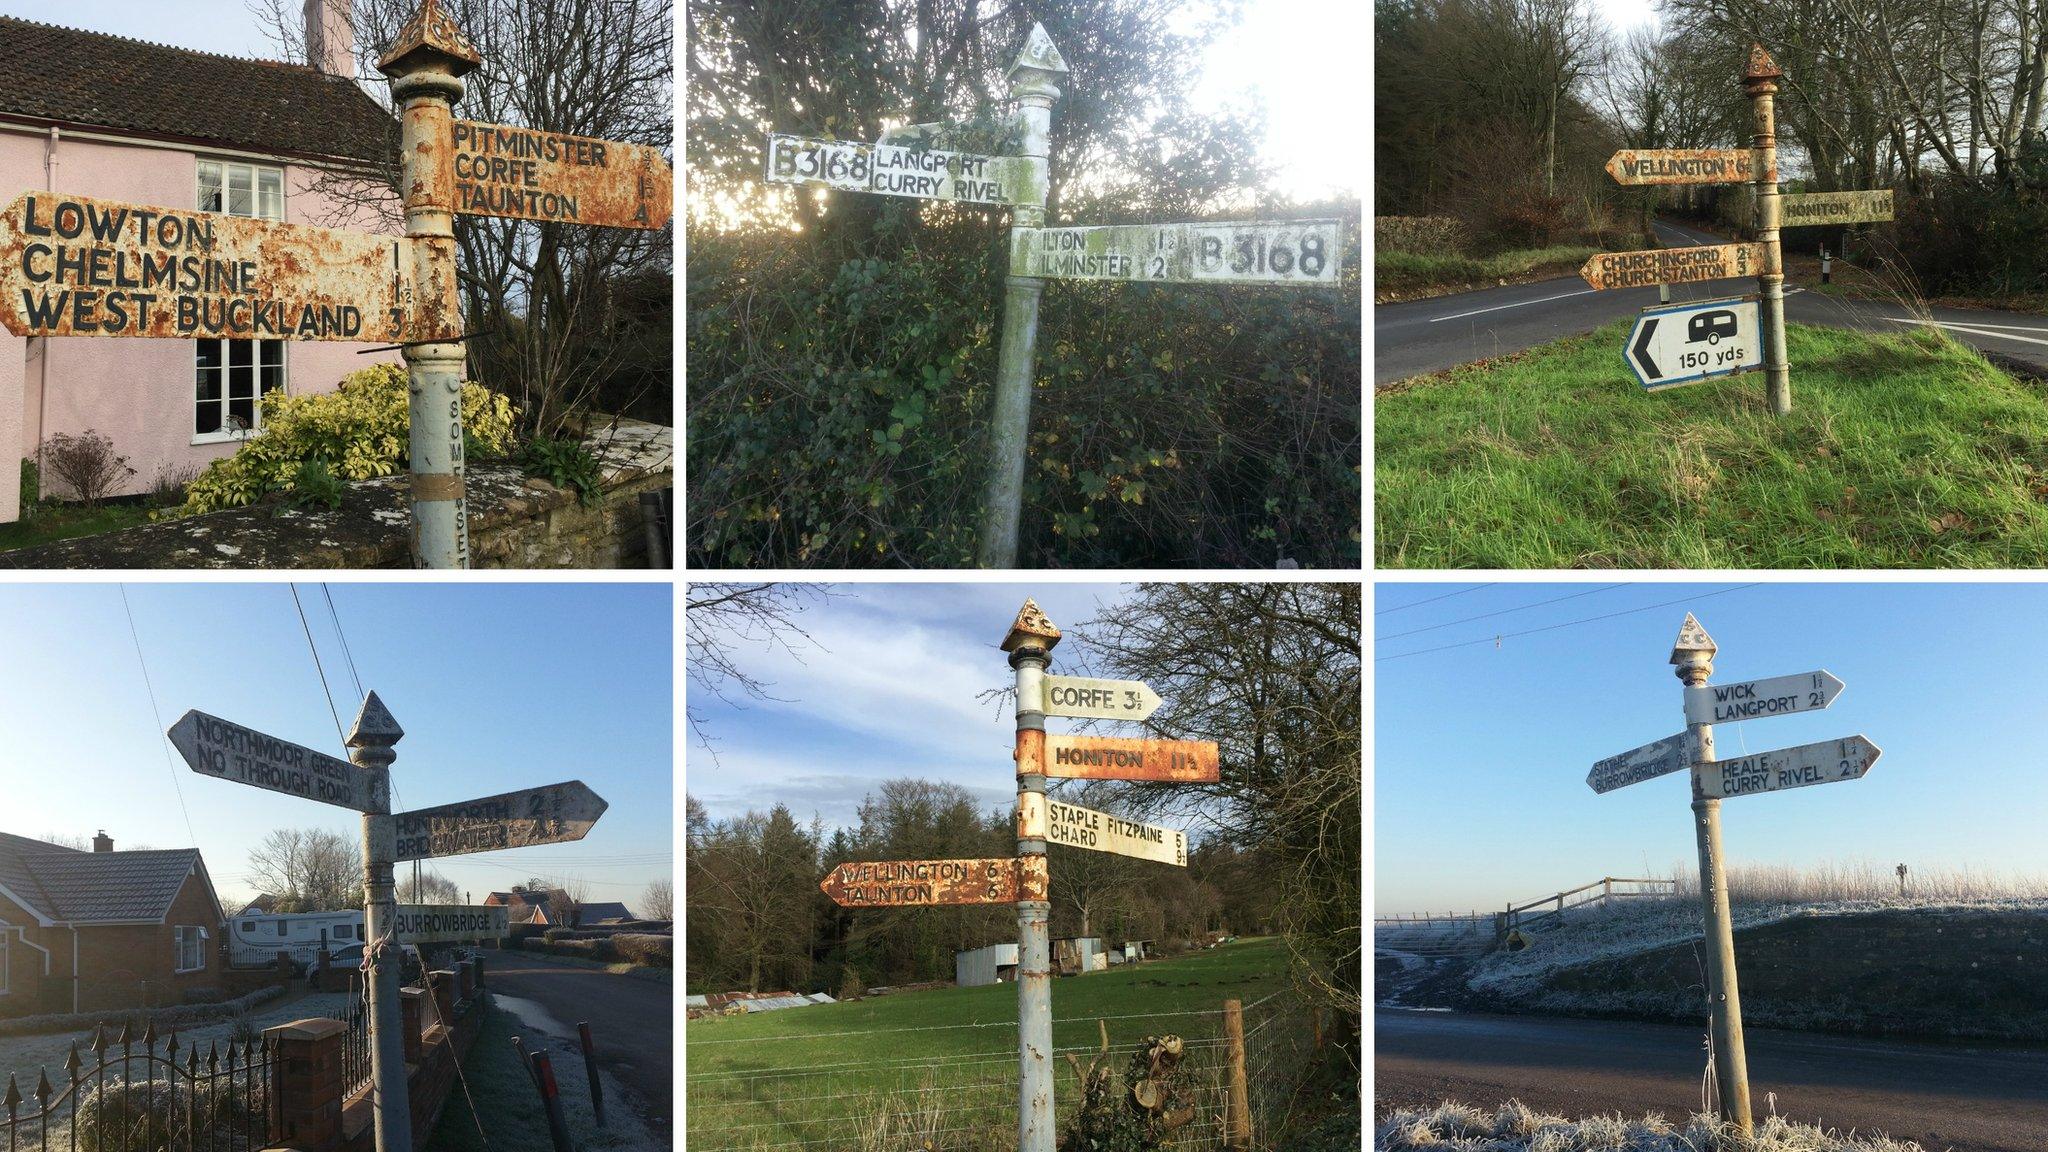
point(91, 79)
point(592, 913)
point(87, 887)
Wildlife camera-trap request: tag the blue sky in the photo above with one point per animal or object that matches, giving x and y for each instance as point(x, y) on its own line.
point(1481, 753)
point(888, 689)
point(498, 686)
point(223, 26)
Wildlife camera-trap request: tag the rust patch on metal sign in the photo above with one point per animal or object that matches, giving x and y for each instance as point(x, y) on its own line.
point(910, 883)
point(428, 169)
point(527, 174)
point(549, 814)
point(1034, 880)
point(1672, 265)
point(1118, 758)
point(431, 32)
point(1814, 209)
point(1030, 750)
point(77, 266)
point(1635, 167)
point(1761, 66)
point(1032, 628)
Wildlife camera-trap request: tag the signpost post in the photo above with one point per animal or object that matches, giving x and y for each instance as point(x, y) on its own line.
point(546, 815)
point(1761, 84)
point(1288, 253)
point(1025, 880)
point(1713, 780)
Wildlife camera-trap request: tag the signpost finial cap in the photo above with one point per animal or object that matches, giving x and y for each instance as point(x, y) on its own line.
point(430, 36)
point(374, 725)
point(1761, 66)
point(1040, 53)
point(1031, 629)
point(1692, 638)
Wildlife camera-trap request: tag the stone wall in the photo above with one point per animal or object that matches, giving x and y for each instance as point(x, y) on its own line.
point(515, 521)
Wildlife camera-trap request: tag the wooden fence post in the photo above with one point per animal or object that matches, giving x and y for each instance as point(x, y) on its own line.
point(1237, 1116)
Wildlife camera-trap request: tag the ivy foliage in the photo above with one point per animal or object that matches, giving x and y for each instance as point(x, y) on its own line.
point(311, 444)
point(839, 412)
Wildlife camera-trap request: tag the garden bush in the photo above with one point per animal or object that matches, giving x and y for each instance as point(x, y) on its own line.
point(353, 433)
point(645, 948)
point(839, 409)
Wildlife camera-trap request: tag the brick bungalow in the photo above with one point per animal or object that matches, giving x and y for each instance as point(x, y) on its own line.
point(126, 120)
point(104, 930)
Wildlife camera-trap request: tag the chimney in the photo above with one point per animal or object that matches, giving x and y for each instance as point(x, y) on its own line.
point(103, 842)
point(331, 37)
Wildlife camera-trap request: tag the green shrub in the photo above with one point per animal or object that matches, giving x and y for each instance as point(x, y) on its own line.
point(354, 433)
point(839, 410)
point(565, 462)
point(645, 948)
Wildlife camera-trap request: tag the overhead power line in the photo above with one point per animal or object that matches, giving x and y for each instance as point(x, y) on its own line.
point(1495, 639)
point(1431, 600)
point(339, 733)
point(162, 741)
point(1502, 612)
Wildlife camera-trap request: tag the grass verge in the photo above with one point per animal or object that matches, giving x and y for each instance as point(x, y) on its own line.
point(1902, 451)
point(937, 1069)
point(1417, 275)
point(501, 1111)
point(54, 522)
point(1514, 1127)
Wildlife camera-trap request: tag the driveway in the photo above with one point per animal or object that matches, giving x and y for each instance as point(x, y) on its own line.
point(632, 1021)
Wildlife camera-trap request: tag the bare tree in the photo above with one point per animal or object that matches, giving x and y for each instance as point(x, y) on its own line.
point(430, 888)
point(308, 869)
point(658, 901)
point(721, 621)
point(566, 900)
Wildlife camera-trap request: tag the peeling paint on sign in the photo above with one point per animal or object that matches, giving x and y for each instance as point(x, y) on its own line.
point(892, 170)
point(1082, 697)
point(1659, 758)
point(1304, 253)
point(525, 174)
point(77, 266)
point(1672, 266)
point(1815, 209)
point(907, 883)
point(1634, 167)
point(550, 814)
point(1116, 758)
point(226, 750)
point(440, 923)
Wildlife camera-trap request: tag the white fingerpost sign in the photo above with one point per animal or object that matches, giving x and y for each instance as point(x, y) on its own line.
point(1775, 696)
point(1088, 699)
point(1078, 827)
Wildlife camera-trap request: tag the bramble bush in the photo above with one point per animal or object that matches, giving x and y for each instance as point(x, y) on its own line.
point(839, 410)
point(311, 444)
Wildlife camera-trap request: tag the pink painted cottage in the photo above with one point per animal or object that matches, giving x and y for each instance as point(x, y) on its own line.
point(107, 116)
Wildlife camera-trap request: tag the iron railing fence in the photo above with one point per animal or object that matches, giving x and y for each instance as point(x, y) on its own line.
point(126, 1096)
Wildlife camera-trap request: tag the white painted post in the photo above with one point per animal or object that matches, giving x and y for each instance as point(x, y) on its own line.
point(1724, 1001)
point(370, 746)
point(1761, 84)
point(1033, 82)
point(426, 66)
point(1029, 644)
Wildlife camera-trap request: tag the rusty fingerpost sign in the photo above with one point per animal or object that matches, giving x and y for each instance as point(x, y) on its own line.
point(1284, 253)
point(1760, 83)
point(526, 174)
point(547, 815)
point(1025, 880)
point(1692, 654)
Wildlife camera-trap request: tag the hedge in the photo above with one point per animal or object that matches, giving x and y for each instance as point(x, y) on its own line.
point(179, 1016)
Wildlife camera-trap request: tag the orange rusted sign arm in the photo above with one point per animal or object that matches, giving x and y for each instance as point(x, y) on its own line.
point(915, 883)
point(1118, 758)
point(527, 174)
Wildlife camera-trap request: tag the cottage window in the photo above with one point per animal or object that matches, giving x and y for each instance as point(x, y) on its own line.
point(191, 948)
point(232, 375)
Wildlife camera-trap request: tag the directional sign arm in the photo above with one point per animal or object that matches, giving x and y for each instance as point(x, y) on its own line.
point(1085, 698)
point(1660, 758)
point(551, 814)
point(1827, 762)
point(1754, 699)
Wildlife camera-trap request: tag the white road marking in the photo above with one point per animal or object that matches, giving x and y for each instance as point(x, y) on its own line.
point(1979, 331)
point(1518, 304)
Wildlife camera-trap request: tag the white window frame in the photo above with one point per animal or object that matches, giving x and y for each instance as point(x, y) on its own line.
point(196, 936)
point(263, 203)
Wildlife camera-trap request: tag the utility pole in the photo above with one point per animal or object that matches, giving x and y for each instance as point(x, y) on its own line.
point(1760, 82)
point(1034, 84)
point(370, 743)
point(426, 66)
point(1030, 644)
point(1693, 655)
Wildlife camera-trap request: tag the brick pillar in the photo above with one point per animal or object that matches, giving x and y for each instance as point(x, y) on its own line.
point(409, 1010)
point(441, 983)
point(465, 981)
point(477, 964)
point(305, 1101)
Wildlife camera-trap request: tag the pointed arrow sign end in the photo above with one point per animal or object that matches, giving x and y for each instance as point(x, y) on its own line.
point(1641, 350)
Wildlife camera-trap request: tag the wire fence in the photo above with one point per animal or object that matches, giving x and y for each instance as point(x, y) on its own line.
point(894, 1097)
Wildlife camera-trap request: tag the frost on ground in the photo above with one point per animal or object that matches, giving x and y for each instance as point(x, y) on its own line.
point(1515, 1127)
point(1649, 925)
point(26, 1056)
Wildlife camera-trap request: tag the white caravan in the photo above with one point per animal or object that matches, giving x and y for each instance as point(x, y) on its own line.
point(255, 939)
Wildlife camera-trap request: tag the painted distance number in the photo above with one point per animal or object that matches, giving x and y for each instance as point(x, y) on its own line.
point(1712, 358)
point(841, 165)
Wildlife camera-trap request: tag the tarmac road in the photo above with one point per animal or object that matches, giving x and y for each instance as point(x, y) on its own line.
point(1960, 1098)
point(1430, 335)
point(632, 1022)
